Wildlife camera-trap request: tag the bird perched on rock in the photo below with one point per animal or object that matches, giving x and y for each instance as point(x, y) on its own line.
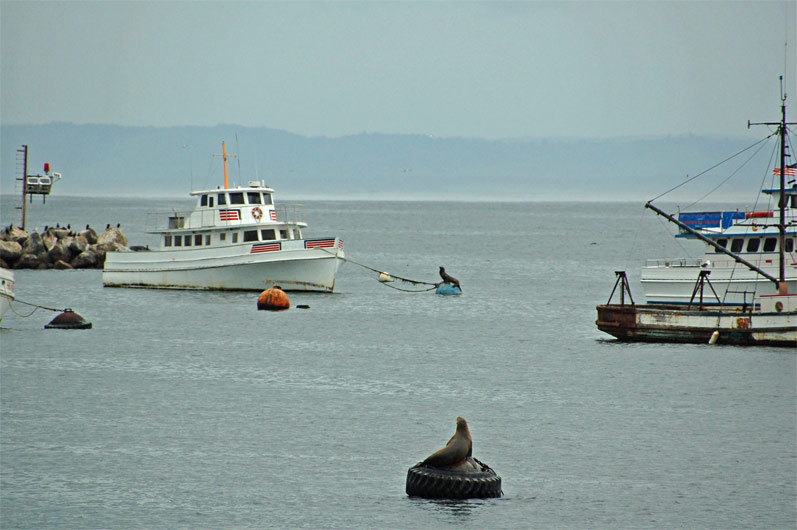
point(458, 448)
point(448, 278)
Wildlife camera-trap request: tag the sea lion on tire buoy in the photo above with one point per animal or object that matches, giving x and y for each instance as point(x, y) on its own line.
point(458, 448)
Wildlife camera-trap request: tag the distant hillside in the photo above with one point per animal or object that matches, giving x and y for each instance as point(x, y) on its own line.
point(116, 160)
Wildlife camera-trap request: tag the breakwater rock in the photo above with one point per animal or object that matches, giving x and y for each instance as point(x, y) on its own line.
point(59, 248)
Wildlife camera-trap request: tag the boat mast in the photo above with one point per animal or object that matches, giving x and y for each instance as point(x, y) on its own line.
point(225, 156)
point(782, 286)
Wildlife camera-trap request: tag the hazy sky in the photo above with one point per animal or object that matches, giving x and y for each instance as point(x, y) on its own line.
point(491, 70)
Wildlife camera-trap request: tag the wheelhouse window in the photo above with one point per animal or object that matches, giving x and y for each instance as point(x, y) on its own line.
point(237, 198)
point(789, 247)
point(222, 199)
point(268, 234)
point(250, 235)
point(254, 197)
point(770, 244)
point(736, 245)
point(297, 234)
point(167, 241)
point(721, 242)
point(267, 198)
point(203, 201)
point(210, 201)
point(283, 234)
point(198, 240)
point(753, 244)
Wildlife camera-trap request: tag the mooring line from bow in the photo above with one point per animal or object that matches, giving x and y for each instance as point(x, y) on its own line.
point(406, 280)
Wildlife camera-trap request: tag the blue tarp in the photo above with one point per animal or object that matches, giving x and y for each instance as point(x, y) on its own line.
point(698, 220)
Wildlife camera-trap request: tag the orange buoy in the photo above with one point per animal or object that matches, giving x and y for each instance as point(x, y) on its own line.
point(273, 299)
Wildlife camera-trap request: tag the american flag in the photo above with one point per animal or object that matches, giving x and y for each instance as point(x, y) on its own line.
point(265, 247)
point(791, 171)
point(230, 215)
point(273, 215)
point(319, 243)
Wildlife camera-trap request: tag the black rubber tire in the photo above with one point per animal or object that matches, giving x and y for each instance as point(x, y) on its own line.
point(431, 483)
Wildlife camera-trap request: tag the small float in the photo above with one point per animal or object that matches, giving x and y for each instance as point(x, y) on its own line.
point(447, 289)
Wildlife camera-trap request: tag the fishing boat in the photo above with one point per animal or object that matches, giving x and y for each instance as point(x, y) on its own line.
point(757, 306)
point(6, 290)
point(233, 239)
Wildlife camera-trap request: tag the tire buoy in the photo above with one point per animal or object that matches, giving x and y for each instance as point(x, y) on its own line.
point(68, 320)
point(273, 299)
point(478, 482)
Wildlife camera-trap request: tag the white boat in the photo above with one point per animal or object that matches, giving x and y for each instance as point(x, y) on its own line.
point(234, 239)
point(743, 292)
point(6, 290)
point(752, 235)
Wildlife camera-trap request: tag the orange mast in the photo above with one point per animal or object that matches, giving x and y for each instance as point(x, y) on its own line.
point(225, 156)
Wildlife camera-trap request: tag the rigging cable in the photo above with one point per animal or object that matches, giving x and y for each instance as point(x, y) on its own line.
point(712, 167)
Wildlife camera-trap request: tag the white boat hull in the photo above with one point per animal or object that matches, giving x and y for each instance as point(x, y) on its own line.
point(6, 291)
point(226, 268)
point(673, 284)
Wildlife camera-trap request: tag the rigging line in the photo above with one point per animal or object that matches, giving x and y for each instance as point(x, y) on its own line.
point(712, 167)
point(727, 178)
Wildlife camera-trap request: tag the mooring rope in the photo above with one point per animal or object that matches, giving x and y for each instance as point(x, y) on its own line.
point(35, 308)
point(387, 284)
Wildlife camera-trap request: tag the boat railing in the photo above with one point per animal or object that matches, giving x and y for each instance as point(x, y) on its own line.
point(189, 220)
point(290, 213)
point(675, 262)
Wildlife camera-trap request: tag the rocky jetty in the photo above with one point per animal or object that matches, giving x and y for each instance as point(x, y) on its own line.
point(59, 248)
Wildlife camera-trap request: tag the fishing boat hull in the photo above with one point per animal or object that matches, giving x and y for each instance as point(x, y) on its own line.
point(6, 291)
point(239, 268)
point(660, 323)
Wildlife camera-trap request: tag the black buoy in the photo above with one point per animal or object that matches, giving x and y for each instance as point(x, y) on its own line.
point(68, 320)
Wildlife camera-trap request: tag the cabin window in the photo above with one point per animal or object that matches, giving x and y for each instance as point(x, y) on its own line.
point(203, 201)
point(753, 244)
point(789, 245)
point(235, 237)
point(236, 198)
point(736, 245)
point(222, 199)
point(178, 241)
point(167, 241)
point(267, 198)
point(283, 234)
point(268, 235)
point(207, 239)
point(187, 241)
point(770, 244)
point(297, 234)
point(250, 235)
point(721, 242)
point(198, 240)
point(222, 236)
point(254, 197)
point(210, 201)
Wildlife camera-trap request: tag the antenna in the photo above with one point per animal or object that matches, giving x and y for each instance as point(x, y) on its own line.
point(238, 150)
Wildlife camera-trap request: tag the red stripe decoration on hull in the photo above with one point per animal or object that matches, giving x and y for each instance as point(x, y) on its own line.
point(273, 215)
point(320, 243)
point(257, 248)
point(230, 215)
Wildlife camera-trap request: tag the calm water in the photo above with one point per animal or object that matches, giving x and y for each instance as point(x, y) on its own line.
point(194, 410)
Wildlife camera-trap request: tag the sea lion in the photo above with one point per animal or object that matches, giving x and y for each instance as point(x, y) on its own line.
point(449, 279)
point(458, 448)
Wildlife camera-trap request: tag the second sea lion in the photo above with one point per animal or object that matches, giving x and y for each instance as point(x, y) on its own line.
point(459, 447)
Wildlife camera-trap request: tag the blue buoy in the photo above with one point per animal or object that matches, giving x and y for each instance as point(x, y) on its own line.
point(447, 288)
